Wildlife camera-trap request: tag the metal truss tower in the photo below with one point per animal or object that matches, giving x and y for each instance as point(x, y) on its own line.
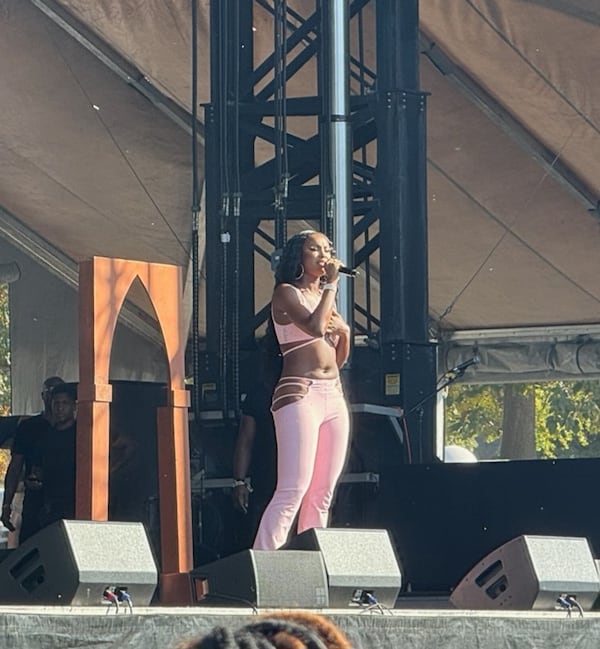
point(270, 133)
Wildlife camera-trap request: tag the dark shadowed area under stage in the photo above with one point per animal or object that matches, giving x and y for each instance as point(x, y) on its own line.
point(444, 518)
point(162, 628)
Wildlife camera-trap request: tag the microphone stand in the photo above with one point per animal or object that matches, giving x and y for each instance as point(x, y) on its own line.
point(446, 379)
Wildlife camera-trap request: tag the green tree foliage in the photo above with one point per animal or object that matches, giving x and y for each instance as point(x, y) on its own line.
point(4, 369)
point(567, 418)
point(473, 416)
point(4, 352)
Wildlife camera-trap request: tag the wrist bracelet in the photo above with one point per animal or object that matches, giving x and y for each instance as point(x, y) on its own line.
point(242, 483)
point(329, 287)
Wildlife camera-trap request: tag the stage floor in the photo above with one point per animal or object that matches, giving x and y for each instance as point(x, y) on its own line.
point(31, 627)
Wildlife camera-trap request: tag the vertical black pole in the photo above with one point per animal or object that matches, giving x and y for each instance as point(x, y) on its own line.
point(229, 154)
point(408, 357)
point(211, 387)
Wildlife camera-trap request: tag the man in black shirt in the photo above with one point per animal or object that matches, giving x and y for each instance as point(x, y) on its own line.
point(255, 457)
point(25, 463)
point(58, 458)
point(255, 452)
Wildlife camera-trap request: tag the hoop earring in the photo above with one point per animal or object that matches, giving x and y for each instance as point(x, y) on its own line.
point(300, 273)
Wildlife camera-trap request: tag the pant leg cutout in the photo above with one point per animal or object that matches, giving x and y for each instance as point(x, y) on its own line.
point(289, 390)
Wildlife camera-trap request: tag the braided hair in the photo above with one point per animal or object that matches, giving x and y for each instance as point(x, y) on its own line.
point(330, 634)
point(270, 352)
point(265, 634)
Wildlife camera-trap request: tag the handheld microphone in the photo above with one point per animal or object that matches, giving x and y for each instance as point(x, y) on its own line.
point(351, 272)
point(461, 367)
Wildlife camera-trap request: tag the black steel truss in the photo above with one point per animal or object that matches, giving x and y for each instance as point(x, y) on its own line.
point(250, 200)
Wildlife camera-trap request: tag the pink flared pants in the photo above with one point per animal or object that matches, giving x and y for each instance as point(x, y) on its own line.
point(312, 442)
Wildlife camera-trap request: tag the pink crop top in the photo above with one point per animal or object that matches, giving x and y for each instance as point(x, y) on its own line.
point(291, 333)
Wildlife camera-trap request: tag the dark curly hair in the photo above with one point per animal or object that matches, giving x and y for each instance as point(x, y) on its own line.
point(289, 267)
point(328, 632)
point(64, 388)
point(266, 634)
point(271, 359)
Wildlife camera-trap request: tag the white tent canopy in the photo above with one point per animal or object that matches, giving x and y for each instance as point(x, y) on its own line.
point(95, 159)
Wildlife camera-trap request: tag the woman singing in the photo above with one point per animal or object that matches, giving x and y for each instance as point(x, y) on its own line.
point(308, 406)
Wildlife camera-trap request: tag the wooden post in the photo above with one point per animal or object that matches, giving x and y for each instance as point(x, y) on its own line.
point(103, 287)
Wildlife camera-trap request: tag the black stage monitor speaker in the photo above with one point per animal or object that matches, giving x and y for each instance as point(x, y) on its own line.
point(265, 579)
point(531, 572)
point(72, 563)
point(361, 565)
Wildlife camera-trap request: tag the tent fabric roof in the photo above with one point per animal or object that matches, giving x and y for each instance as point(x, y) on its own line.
point(515, 157)
point(85, 163)
point(95, 167)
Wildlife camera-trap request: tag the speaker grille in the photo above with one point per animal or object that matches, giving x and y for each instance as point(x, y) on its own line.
point(531, 572)
point(266, 579)
point(73, 562)
point(355, 560)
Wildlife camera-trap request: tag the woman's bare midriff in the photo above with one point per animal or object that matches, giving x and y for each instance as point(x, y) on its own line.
point(315, 361)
